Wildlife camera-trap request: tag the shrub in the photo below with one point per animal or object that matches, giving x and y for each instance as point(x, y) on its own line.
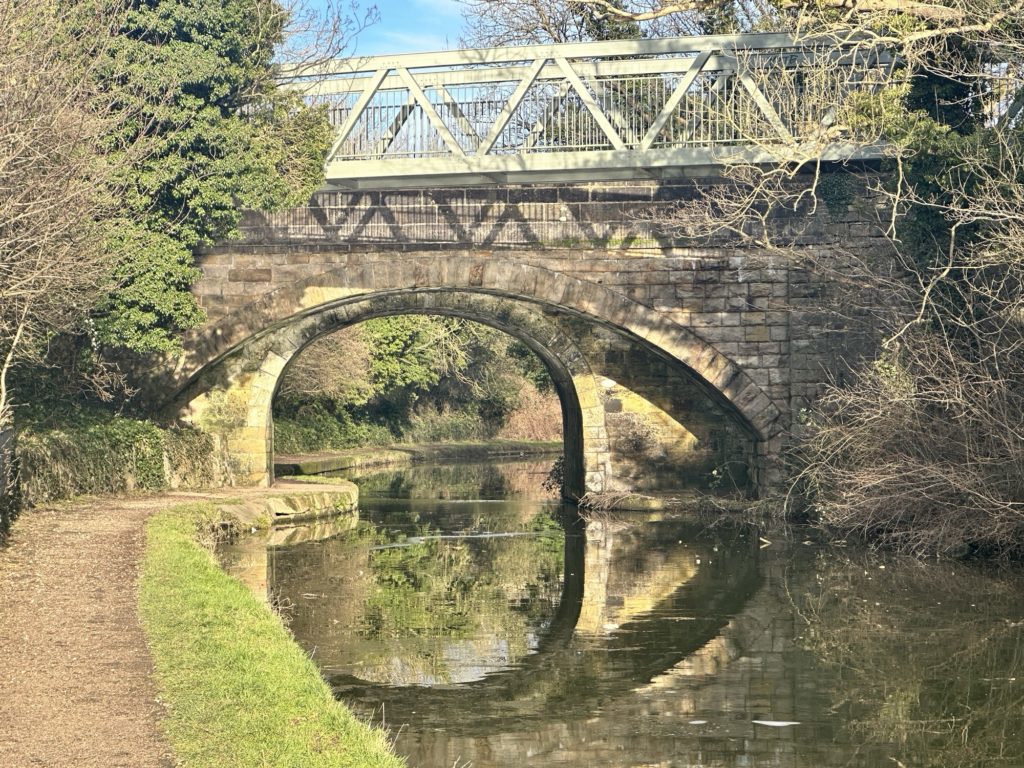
point(113, 454)
point(430, 425)
point(922, 452)
point(538, 416)
point(314, 427)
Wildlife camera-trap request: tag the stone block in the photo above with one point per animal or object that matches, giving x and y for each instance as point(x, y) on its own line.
point(250, 275)
point(756, 333)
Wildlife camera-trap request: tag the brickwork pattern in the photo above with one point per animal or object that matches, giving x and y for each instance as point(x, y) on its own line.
point(749, 330)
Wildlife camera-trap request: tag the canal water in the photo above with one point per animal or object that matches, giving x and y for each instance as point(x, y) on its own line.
point(470, 614)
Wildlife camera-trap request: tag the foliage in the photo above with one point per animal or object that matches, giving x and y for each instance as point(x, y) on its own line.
point(522, 22)
point(239, 691)
point(216, 136)
point(54, 179)
point(537, 416)
point(408, 355)
point(555, 480)
point(132, 134)
point(319, 424)
point(428, 589)
point(411, 378)
point(10, 495)
point(99, 453)
point(960, 491)
point(430, 425)
point(921, 449)
point(336, 367)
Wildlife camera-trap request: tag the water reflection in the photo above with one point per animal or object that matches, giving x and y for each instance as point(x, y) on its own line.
point(930, 657)
point(482, 480)
point(496, 633)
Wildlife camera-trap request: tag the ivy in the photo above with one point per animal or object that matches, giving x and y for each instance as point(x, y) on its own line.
point(210, 134)
point(108, 454)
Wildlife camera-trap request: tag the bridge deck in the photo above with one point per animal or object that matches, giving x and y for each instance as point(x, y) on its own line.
point(591, 111)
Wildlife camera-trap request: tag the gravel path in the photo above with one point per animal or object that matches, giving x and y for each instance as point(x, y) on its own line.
point(76, 685)
point(75, 673)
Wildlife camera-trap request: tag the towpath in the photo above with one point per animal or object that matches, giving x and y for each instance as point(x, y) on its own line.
point(76, 686)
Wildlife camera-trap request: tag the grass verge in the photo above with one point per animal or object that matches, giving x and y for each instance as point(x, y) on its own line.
point(239, 691)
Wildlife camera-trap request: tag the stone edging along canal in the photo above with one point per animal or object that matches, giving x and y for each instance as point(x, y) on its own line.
point(407, 455)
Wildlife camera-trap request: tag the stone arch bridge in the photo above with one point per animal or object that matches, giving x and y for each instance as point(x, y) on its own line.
point(520, 187)
point(711, 347)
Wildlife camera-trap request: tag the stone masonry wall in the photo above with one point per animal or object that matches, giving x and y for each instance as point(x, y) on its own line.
point(770, 314)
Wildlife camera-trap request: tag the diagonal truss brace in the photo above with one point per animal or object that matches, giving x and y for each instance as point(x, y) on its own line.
point(430, 112)
point(513, 104)
point(673, 101)
point(588, 101)
point(433, 91)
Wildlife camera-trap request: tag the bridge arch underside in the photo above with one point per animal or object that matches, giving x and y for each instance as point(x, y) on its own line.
point(249, 378)
point(637, 391)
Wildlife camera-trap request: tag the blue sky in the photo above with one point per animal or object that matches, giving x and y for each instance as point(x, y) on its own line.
point(407, 26)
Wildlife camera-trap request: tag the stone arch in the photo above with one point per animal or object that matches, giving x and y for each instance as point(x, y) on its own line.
point(250, 376)
point(484, 274)
point(380, 276)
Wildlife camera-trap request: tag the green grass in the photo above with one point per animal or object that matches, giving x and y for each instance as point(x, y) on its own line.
point(238, 690)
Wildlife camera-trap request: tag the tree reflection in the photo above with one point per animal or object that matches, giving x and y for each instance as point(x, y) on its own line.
point(929, 658)
point(402, 601)
point(430, 592)
point(523, 480)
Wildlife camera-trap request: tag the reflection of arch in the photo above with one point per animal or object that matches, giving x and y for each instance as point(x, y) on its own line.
point(562, 669)
point(254, 372)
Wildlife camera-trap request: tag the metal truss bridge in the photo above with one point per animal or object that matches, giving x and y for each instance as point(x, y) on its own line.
point(575, 112)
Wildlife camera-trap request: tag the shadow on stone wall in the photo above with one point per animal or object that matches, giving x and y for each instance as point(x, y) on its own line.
point(610, 215)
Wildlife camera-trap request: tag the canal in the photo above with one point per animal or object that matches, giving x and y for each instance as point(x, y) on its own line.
point(476, 618)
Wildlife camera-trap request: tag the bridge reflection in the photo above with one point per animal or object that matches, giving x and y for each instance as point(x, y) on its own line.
point(636, 602)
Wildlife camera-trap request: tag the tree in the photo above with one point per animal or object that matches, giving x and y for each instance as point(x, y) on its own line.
point(57, 181)
point(131, 134)
point(421, 376)
point(218, 136)
point(925, 448)
point(522, 22)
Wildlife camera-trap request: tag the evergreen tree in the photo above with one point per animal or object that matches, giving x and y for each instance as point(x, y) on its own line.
point(212, 134)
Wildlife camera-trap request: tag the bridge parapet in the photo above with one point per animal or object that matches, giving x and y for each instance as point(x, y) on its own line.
point(591, 111)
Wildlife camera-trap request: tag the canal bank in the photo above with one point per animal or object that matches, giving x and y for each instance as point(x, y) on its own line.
point(77, 684)
point(286, 465)
point(639, 639)
point(488, 627)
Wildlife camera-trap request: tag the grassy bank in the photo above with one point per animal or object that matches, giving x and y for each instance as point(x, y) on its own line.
point(94, 452)
point(239, 691)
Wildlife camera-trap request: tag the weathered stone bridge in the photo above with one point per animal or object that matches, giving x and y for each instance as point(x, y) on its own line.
point(670, 355)
point(715, 345)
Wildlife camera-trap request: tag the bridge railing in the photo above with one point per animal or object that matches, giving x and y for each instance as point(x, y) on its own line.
point(589, 111)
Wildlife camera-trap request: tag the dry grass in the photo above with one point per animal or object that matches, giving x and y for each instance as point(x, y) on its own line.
point(537, 417)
